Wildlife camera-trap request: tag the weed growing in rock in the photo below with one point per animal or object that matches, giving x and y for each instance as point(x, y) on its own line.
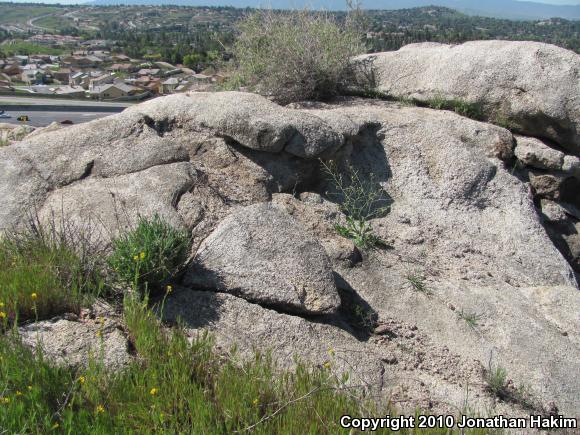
point(471, 318)
point(418, 283)
point(496, 380)
point(503, 120)
point(461, 107)
point(504, 389)
point(150, 254)
point(360, 200)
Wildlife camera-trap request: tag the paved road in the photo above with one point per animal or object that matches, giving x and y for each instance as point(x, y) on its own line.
point(6, 100)
point(42, 119)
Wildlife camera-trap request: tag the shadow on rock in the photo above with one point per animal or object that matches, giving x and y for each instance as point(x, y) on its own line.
point(355, 311)
point(190, 308)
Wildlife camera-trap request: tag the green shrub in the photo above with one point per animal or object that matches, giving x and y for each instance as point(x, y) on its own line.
point(150, 254)
point(360, 200)
point(294, 56)
point(461, 107)
point(42, 275)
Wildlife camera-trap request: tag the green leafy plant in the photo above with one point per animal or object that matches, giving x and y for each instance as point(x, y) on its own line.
point(296, 55)
point(150, 254)
point(360, 200)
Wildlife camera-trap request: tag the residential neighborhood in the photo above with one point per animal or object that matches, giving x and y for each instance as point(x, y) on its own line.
point(98, 74)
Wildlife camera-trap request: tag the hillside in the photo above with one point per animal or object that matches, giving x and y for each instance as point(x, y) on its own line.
point(507, 9)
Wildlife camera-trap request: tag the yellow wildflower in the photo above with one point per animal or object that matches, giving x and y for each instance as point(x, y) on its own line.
point(2, 315)
point(18, 393)
point(136, 258)
point(153, 391)
point(55, 426)
point(255, 402)
point(1, 304)
point(331, 351)
point(142, 255)
point(6, 399)
point(99, 333)
point(34, 296)
point(169, 289)
point(99, 409)
point(82, 380)
point(326, 365)
point(30, 388)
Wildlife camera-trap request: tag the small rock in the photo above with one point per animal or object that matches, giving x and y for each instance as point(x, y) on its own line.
point(382, 329)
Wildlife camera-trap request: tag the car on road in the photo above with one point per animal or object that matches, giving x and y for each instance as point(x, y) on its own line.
point(23, 118)
point(4, 115)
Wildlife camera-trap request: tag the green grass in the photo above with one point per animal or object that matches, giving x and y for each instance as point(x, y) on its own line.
point(20, 47)
point(11, 13)
point(150, 254)
point(39, 279)
point(55, 22)
point(173, 387)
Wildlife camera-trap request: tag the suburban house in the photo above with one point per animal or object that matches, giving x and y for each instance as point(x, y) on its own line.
point(32, 76)
point(79, 79)
point(69, 91)
point(62, 75)
point(121, 67)
point(81, 61)
point(149, 72)
point(13, 69)
point(169, 85)
point(113, 91)
point(104, 79)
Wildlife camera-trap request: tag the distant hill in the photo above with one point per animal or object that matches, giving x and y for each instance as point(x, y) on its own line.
point(511, 9)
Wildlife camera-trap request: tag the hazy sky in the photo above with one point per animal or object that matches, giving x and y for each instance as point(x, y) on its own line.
point(557, 2)
point(554, 2)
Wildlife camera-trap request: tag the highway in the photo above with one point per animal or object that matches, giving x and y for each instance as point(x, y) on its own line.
point(7, 100)
point(43, 111)
point(42, 119)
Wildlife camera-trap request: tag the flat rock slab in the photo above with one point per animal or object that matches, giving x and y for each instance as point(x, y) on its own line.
point(74, 343)
point(533, 87)
point(264, 255)
point(407, 369)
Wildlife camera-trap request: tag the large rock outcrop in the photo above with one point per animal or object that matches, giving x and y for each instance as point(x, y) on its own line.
point(461, 218)
point(532, 87)
point(262, 254)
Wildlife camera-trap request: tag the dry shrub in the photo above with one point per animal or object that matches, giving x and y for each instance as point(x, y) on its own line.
point(295, 56)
